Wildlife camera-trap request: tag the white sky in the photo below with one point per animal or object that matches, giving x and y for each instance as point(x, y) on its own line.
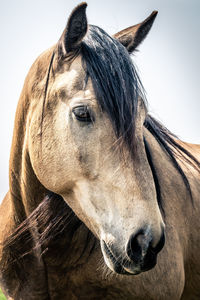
point(168, 59)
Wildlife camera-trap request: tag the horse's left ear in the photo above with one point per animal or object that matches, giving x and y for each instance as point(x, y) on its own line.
point(132, 36)
point(75, 30)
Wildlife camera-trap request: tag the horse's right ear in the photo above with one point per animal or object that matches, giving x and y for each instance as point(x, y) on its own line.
point(75, 30)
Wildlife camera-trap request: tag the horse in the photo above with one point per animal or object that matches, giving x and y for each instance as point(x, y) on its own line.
point(103, 200)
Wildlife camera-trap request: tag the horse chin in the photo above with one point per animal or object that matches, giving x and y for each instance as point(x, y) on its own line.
point(124, 266)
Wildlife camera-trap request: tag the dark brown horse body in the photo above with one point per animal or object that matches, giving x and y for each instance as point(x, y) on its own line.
point(47, 250)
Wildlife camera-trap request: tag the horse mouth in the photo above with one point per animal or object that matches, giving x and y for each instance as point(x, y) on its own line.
point(124, 266)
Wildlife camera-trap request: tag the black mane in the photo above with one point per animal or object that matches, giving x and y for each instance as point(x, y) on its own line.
point(115, 81)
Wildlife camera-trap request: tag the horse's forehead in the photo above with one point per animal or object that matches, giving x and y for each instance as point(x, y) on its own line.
point(72, 80)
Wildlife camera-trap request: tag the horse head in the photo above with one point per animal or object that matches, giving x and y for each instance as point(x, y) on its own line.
point(86, 140)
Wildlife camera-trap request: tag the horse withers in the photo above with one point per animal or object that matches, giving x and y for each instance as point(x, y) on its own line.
point(98, 188)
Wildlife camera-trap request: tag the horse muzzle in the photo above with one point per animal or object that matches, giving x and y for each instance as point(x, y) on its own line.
point(139, 254)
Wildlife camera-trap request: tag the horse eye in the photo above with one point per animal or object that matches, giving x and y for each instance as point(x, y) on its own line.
point(82, 114)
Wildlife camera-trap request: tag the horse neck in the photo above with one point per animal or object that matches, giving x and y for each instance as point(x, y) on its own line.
point(25, 190)
point(171, 190)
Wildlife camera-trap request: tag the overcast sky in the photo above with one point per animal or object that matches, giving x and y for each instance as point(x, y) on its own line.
point(168, 60)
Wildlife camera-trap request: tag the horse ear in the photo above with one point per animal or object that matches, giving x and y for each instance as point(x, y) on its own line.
point(75, 30)
point(132, 36)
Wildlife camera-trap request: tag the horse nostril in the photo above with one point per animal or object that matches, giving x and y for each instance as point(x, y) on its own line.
point(160, 244)
point(138, 245)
